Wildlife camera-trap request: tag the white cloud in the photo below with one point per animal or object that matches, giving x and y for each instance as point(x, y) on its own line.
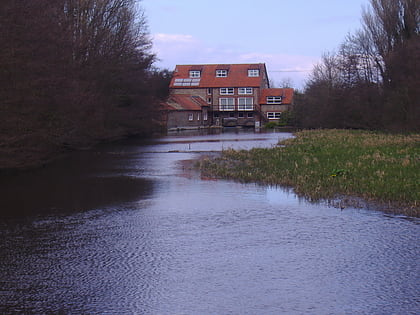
point(173, 49)
point(172, 38)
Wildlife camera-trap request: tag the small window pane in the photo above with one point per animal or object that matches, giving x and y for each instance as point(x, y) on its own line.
point(273, 99)
point(229, 91)
point(194, 74)
point(253, 73)
point(221, 73)
point(226, 104)
point(273, 115)
point(244, 90)
point(245, 103)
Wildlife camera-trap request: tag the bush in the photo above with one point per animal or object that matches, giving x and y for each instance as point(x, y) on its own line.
point(271, 125)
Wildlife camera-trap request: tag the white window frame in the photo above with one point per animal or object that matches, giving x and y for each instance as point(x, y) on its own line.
point(274, 99)
point(245, 90)
point(198, 116)
point(205, 116)
point(245, 103)
point(253, 72)
point(190, 117)
point(221, 73)
point(195, 73)
point(226, 104)
point(273, 115)
point(227, 91)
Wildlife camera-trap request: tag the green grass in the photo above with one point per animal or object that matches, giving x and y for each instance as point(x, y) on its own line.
point(328, 164)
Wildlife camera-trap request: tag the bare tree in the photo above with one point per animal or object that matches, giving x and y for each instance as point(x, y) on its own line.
point(286, 83)
point(372, 82)
point(73, 72)
point(387, 26)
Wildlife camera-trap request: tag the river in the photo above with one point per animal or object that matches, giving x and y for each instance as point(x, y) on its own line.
point(129, 228)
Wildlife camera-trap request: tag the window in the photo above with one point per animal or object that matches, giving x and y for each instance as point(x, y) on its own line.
point(273, 99)
point(253, 73)
point(225, 91)
point(271, 115)
point(209, 100)
point(226, 104)
point(241, 115)
point(205, 117)
point(244, 90)
point(195, 74)
point(209, 91)
point(250, 115)
point(190, 117)
point(198, 116)
point(232, 115)
point(221, 73)
point(245, 103)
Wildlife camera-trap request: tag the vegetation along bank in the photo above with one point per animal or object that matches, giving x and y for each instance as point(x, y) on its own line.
point(74, 73)
point(382, 169)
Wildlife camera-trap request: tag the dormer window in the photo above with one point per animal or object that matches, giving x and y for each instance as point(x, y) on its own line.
point(195, 73)
point(221, 73)
point(273, 99)
point(253, 73)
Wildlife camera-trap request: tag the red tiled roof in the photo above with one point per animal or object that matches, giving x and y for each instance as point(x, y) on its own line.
point(286, 93)
point(237, 76)
point(185, 102)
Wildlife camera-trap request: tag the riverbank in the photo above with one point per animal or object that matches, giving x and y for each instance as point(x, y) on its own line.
point(20, 153)
point(381, 169)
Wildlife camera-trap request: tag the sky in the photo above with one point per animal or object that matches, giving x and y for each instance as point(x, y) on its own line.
point(289, 36)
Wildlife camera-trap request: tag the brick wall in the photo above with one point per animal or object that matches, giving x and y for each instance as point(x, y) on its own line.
point(181, 119)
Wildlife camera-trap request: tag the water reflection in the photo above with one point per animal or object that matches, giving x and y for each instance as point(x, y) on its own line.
point(86, 180)
point(154, 238)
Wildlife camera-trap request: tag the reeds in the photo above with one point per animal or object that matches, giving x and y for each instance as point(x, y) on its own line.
point(328, 164)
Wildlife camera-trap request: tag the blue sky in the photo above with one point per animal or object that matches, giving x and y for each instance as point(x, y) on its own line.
point(287, 35)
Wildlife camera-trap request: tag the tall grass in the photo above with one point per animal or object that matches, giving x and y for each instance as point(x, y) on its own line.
point(329, 164)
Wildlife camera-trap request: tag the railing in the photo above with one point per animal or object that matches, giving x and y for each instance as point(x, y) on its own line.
point(229, 107)
point(246, 107)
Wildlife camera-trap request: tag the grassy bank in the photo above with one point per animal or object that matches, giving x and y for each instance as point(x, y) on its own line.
point(328, 164)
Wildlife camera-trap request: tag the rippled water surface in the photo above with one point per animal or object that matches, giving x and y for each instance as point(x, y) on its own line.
point(128, 228)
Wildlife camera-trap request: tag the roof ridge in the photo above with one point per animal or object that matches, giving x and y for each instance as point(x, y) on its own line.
point(221, 64)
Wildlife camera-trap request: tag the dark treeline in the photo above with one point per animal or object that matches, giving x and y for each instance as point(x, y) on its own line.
point(73, 72)
point(373, 81)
